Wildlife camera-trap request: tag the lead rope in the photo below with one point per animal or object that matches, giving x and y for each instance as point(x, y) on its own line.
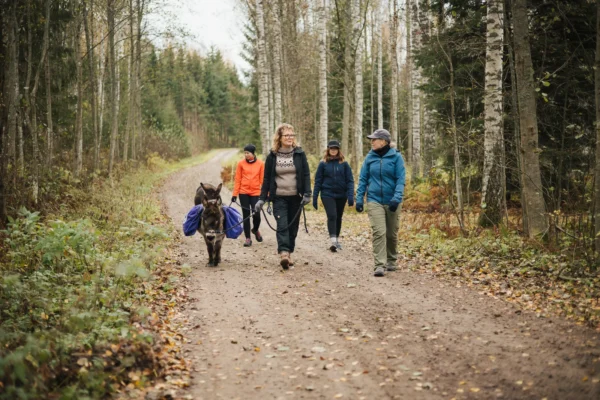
point(270, 211)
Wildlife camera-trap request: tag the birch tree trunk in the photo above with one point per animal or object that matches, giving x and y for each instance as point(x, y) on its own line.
point(531, 178)
point(89, 41)
point(31, 101)
point(493, 196)
point(597, 167)
point(416, 92)
point(114, 84)
point(79, 114)
point(379, 69)
point(263, 83)
point(358, 89)
point(394, 77)
point(276, 18)
point(137, 139)
point(130, 86)
point(348, 94)
point(101, 100)
point(323, 120)
point(49, 122)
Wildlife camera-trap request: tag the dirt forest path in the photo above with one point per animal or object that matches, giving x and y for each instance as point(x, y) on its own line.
point(328, 329)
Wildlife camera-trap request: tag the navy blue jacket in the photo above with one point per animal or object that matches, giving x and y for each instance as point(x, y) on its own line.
point(334, 180)
point(382, 178)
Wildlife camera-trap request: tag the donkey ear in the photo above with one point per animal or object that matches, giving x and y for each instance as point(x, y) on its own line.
point(202, 186)
point(219, 188)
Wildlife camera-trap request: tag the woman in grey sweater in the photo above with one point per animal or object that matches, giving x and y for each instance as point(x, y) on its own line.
point(287, 184)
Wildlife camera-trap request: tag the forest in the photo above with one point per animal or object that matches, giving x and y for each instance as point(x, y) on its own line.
point(494, 105)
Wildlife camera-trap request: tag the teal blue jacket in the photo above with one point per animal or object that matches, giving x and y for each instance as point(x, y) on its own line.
point(382, 178)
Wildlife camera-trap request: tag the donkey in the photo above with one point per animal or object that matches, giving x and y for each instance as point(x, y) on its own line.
point(209, 191)
point(212, 220)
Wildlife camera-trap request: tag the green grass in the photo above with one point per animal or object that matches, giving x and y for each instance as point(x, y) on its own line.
point(76, 288)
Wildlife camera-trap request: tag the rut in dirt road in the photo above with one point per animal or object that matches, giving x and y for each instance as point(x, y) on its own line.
point(328, 329)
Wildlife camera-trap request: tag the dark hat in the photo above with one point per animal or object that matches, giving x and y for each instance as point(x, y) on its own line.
point(251, 148)
point(381, 134)
point(333, 143)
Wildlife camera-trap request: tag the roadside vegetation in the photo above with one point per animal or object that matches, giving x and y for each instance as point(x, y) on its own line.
point(86, 290)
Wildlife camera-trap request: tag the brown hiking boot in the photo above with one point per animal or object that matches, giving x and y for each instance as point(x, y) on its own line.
point(285, 259)
point(291, 264)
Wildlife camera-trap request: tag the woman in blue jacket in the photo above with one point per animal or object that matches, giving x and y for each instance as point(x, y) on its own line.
point(382, 177)
point(335, 183)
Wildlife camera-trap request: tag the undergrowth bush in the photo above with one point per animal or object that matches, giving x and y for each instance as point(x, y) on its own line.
point(73, 302)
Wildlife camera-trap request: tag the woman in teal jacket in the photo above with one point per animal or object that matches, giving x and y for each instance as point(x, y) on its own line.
point(382, 177)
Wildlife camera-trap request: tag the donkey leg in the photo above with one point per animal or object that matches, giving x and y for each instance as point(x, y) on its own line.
point(218, 246)
point(211, 254)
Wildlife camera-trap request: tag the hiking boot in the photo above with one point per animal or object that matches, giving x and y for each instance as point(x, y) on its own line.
point(391, 267)
point(248, 242)
point(291, 263)
point(338, 245)
point(258, 236)
point(379, 271)
point(333, 247)
point(285, 260)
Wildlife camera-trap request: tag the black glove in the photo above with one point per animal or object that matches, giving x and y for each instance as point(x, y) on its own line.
point(393, 205)
point(359, 207)
point(233, 199)
point(305, 200)
point(259, 205)
point(315, 203)
point(350, 201)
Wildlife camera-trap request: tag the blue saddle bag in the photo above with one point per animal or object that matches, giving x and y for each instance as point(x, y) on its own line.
point(191, 223)
point(233, 223)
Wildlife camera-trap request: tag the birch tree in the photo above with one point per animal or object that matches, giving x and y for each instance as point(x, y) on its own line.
point(114, 84)
point(79, 116)
point(394, 64)
point(323, 121)
point(88, 26)
point(263, 84)
point(276, 29)
point(415, 91)
point(348, 69)
point(493, 197)
point(531, 175)
point(358, 88)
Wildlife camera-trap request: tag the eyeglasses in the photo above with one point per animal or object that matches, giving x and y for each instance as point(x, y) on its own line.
point(288, 136)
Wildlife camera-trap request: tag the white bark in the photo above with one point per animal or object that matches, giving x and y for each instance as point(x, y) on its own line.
point(114, 84)
point(358, 88)
point(394, 77)
point(323, 120)
point(276, 18)
point(415, 92)
point(79, 116)
point(492, 199)
point(263, 83)
point(102, 68)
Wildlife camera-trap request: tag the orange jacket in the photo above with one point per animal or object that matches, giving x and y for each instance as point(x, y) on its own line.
point(249, 177)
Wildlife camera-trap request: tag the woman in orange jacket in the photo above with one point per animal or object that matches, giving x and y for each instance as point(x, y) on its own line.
point(248, 181)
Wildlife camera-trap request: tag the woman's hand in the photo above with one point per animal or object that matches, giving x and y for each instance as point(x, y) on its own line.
point(350, 201)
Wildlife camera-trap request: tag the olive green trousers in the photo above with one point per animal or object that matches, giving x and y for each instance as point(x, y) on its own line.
point(384, 225)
